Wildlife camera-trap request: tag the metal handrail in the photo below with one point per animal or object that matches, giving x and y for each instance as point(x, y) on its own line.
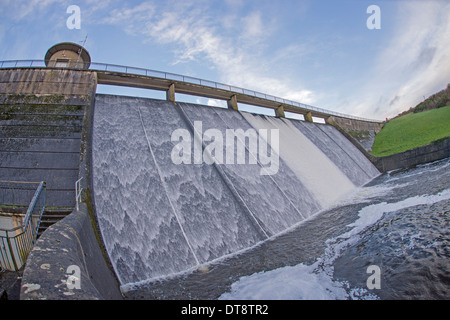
point(78, 190)
point(15, 245)
point(98, 66)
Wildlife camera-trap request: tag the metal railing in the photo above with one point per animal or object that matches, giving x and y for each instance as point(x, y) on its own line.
point(78, 190)
point(19, 223)
point(96, 66)
point(22, 63)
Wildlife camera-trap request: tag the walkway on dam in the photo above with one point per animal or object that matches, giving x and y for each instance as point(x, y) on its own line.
point(111, 74)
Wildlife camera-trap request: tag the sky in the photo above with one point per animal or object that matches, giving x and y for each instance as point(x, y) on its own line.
point(317, 52)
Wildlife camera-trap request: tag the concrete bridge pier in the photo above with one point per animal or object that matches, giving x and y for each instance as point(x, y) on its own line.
point(232, 103)
point(170, 93)
point(279, 112)
point(308, 117)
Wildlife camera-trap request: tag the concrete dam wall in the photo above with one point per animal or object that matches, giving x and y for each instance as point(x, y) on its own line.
point(176, 186)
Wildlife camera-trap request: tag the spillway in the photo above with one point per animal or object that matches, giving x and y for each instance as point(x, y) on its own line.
point(158, 216)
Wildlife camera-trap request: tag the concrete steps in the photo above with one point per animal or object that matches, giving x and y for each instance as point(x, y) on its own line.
point(40, 140)
point(50, 217)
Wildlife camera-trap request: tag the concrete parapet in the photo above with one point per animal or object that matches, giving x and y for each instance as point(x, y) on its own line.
point(46, 81)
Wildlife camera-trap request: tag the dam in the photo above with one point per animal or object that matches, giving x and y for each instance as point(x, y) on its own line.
point(175, 200)
point(160, 218)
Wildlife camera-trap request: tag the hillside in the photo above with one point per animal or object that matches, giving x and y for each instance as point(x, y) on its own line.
point(435, 101)
point(412, 130)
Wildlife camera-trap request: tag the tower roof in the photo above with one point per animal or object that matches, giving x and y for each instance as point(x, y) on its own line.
point(69, 46)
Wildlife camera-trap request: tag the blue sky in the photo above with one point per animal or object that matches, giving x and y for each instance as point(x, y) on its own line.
point(318, 52)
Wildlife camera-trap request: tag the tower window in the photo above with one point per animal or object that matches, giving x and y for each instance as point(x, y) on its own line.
point(62, 63)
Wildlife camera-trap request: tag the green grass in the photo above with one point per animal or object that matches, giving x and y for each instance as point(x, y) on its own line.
point(412, 130)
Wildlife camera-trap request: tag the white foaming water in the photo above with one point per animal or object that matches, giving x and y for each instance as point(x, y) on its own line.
point(319, 174)
point(339, 150)
point(314, 282)
point(159, 218)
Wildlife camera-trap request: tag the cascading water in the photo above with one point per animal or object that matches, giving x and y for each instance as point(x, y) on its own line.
point(319, 174)
point(341, 151)
point(160, 218)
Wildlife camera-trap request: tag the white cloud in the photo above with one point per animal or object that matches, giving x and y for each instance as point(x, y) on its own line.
point(231, 52)
point(20, 9)
point(416, 62)
point(253, 26)
point(235, 44)
point(216, 103)
point(131, 19)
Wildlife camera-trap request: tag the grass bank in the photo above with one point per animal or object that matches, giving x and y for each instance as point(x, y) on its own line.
point(412, 130)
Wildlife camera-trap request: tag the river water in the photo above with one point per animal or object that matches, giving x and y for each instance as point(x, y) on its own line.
point(398, 222)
